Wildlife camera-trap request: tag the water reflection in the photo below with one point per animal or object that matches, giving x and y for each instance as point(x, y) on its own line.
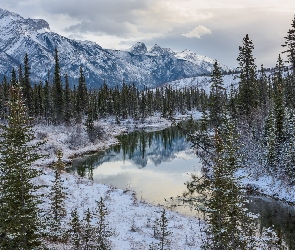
point(277, 215)
point(153, 164)
point(157, 164)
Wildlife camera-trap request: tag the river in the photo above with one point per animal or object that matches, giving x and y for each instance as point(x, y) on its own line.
point(155, 165)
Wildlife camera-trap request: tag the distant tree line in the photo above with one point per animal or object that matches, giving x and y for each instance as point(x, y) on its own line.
point(55, 102)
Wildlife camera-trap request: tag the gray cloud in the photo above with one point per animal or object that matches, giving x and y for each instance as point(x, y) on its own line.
point(121, 23)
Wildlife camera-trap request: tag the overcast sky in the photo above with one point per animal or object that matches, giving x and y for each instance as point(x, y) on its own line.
point(211, 28)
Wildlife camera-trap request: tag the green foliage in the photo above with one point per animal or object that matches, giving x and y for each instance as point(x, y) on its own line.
point(75, 231)
point(217, 97)
point(219, 195)
point(57, 92)
point(290, 50)
point(88, 235)
point(103, 231)
point(248, 89)
point(161, 233)
point(19, 221)
point(57, 196)
point(26, 84)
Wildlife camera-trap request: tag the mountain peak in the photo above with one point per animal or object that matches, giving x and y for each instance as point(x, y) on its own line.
point(138, 49)
point(38, 23)
point(159, 51)
point(7, 18)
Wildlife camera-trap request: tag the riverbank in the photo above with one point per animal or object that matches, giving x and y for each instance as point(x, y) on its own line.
point(74, 141)
point(130, 218)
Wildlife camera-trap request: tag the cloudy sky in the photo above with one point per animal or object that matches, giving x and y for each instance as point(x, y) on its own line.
point(207, 27)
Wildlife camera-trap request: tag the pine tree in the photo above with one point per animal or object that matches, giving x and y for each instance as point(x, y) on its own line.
point(57, 92)
point(161, 233)
point(290, 50)
point(81, 98)
point(13, 80)
point(57, 196)
point(263, 89)
point(19, 221)
point(217, 96)
point(47, 102)
point(279, 106)
point(287, 157)
point(4, 97)
point(75, 231)
point(26, 87)
point(103, 231)
point(88, 232)
point(248, 91)
point(218, 194)
point(68, 111)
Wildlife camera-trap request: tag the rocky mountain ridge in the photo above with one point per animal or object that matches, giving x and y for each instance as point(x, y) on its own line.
point(143, 67)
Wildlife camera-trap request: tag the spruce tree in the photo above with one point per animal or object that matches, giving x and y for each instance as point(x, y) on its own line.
point(217, 96)
point(57, 197)
point(68, 111)
point(88, 232)
point(161, 233)
point(81, 96)
point(263, 90)
point(26, 87)
point(248, 91)
point(103, 232)
point(57, 92)
point(19, 221)
point(219, 195)
point(75, 231)
point(279, 106)
point(13, 80)
point(290, 50)
point(270, 142)
point(287, 156)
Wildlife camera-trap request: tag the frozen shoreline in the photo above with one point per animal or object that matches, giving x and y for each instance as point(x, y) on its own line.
point(125, 209)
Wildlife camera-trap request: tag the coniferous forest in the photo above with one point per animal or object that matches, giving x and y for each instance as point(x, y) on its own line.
point(245, 129)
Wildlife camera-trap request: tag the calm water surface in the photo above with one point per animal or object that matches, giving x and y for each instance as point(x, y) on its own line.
point(157, 164)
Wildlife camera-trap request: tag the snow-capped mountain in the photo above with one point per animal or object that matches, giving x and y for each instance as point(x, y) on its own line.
point(139, 65)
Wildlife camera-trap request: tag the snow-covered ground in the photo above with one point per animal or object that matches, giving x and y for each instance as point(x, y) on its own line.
point(131, 220)
point(126, 211)
point(202, 82)
point(74, 141)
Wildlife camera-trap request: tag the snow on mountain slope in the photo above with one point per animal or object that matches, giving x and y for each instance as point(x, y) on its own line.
point(139, 65)
point(202, 82)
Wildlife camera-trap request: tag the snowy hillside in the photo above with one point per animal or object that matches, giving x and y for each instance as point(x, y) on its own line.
point(139, 65)
point(202, 82)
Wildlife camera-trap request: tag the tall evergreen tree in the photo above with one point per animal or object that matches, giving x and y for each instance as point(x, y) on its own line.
point(68, 111)
point(217, 96)
point(103, 231)
point(26, 87)
point(290, 50)
point(58, 103)
point(13, 80)
point(57, 196)
point(219, 195)
point(248, 91)
point(279, 106)
point(88, 231)
point(75, 231)
point(19, 222)
point(161, 233)
point(81, 97)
